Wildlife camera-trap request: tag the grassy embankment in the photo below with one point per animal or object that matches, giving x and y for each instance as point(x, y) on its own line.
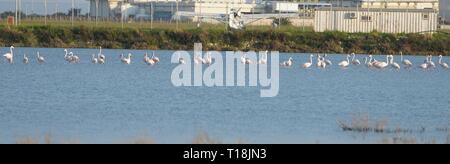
point(165, 35)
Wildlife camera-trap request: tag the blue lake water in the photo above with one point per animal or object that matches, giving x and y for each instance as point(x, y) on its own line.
point(114, 102)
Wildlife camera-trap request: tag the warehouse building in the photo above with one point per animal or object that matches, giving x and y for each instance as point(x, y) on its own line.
point(381, 20)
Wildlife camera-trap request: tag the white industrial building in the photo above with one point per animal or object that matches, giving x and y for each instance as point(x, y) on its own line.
point(388, 4)
point(381, 20)
point(389, 16)
point(166, 8)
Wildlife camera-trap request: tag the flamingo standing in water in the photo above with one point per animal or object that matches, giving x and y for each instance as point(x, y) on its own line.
point(94, 59)
point(245, 60)
point(208, 59)
point(345, 63)
point(309, 63)
point(381, 65)
point(10, 55)
point(101, 57)
point(354, 60)
point(394, 64)
point(180, 59)
point(321, 62)
point(40, 58)
point(424, 65)
point(198, 60)
point(288, 63)
point(70, 57)
point(74, 59)
point(263, 59)
point(67, 58)
point(154, 58)
point(328, 62)
point(25, 59)
point(146, 58)
point(368, 62)
point(430, 62)
point(405, 62)
point(443, 64)
point(126, 60)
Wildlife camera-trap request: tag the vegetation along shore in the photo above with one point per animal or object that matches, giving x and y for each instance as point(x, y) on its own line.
point(283, 40)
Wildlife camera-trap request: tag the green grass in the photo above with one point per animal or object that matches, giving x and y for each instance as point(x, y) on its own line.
point(445, 30)
point(164, 35)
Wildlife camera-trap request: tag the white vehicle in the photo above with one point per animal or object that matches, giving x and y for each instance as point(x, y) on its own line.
point(235, 18)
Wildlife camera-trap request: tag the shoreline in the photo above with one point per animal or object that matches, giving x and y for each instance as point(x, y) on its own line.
point(285, 41)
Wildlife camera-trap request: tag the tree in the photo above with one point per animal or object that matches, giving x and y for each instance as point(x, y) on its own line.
point(76, 12)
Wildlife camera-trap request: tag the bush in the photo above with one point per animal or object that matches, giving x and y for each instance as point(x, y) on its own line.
point(288, 40)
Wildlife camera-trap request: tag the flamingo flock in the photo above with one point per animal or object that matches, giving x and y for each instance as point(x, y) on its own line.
point(322, 61)
point(370, 62)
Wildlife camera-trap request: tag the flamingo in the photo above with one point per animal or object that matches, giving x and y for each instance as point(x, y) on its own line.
point(94, 60)
point(394, 64)
point(10, 55)
point(309, 63)
point(443, 64)
point(244, 59)
point(180, 59)
point(288, 63)
point(73, 58)
point(40, 58)
point(146, 58)
point(25, 59)
point(381, 65)
point(126, 60)
point(101, 58)
point(424, 65)
point(66, 56)
point(263, 59)
point(345, 63)
point(355, 61)
point(198, 60)
point(367, 61)
point(208, 59)
point(430, 62)
point(328, 62)
point(322, 63)
point(405, 62)
point(154, 58)
point(70, 57)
